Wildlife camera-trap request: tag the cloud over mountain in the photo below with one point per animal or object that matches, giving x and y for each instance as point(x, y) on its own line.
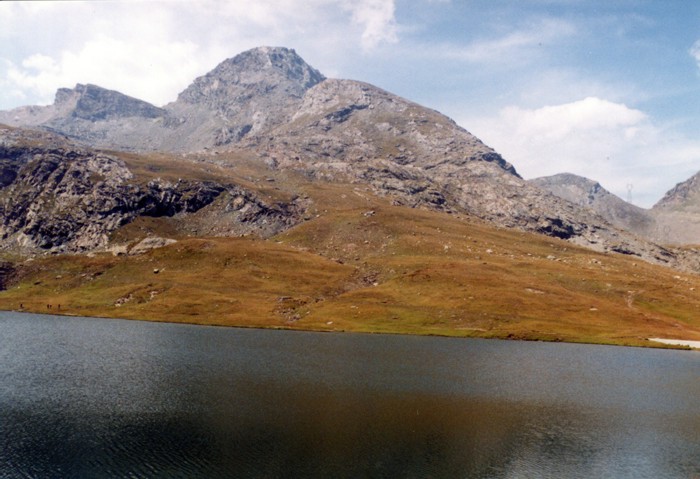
point(593, 137)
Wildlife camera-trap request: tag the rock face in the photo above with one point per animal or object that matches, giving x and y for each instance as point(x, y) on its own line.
point(590, 194)
point(85, 102)
point(71, 199)
point(674, 220)
point(677, 214)
point(58, 197)
point(93, 103)
point(270, 105)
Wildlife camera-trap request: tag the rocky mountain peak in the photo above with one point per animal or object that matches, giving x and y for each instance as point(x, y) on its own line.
point(244, 95)
point(574, 188)
point(92, 102)
point(590, 194)
point(258, 71)
point(685, 195)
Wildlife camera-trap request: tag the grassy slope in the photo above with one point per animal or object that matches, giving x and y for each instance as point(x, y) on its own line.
point(394, 270)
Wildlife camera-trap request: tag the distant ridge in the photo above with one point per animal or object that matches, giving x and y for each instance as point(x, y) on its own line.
point(590, 194)
point(677, 214)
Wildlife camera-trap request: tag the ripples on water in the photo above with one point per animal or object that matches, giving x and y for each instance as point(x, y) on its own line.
point(106, 398)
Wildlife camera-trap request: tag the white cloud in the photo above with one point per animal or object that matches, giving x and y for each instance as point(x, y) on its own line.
point(377, 19)
point(561, 121)
point(596, 138)
point(695, 51)
point(513, 46)
point(150, 71)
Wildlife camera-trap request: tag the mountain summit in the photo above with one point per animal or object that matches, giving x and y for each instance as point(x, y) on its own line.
point(590, 194)
point(94, 103)
point(246, 94)
point(677, 214)
point(275, 72)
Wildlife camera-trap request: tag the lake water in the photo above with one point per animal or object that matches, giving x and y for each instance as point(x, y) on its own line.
point(88, 398)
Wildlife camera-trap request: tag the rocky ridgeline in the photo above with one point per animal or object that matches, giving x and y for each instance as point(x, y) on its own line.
point(244, 95)
point(590, 194)
point(677, 214)
point(674, 220)
point(268, 103)
point(93, 103)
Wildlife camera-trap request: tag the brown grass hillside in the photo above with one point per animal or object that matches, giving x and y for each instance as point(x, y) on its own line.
point(358, 263)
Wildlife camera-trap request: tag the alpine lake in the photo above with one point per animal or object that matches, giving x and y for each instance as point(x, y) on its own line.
point(86, 397)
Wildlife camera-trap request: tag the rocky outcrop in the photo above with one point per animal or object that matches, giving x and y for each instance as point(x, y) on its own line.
point(58, 197)
point(677, 214)
point(149, 243)
point(590, 194)
point(93, 103)
point(238, 212)
point(684, 196)
point(71, 200)
point(75, 111)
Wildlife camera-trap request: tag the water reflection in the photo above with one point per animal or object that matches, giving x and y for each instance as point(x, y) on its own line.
point(93, 398)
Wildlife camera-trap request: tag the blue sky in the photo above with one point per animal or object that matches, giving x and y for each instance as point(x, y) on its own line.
point(605, 89)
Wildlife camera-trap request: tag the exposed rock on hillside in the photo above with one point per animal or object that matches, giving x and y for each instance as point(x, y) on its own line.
point(684, 196)
point(677, 214)
point(590, 194)
point(254, 88)
point(244, 95)
point(86, 102)
point(675, 219)
point(93, 103)
point(57, 197)
point(356, 132)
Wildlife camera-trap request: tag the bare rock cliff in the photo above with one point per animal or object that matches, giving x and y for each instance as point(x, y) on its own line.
point(56, 196)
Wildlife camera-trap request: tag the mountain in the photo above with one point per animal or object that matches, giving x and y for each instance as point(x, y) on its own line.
point(84, 102)
point(244, 95)
point(269, 105)
point(590, 194)
point(674, 220)
point(677, 214)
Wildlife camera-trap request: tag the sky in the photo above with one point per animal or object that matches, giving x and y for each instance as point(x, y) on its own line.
point(609, 89)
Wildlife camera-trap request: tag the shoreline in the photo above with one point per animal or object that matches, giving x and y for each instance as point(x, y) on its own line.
point(678, 342)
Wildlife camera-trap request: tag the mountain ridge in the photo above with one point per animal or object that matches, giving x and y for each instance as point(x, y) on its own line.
point(268, 103)
point(674, 219)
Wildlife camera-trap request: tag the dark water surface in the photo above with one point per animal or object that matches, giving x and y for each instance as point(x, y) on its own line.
point(109, 398)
